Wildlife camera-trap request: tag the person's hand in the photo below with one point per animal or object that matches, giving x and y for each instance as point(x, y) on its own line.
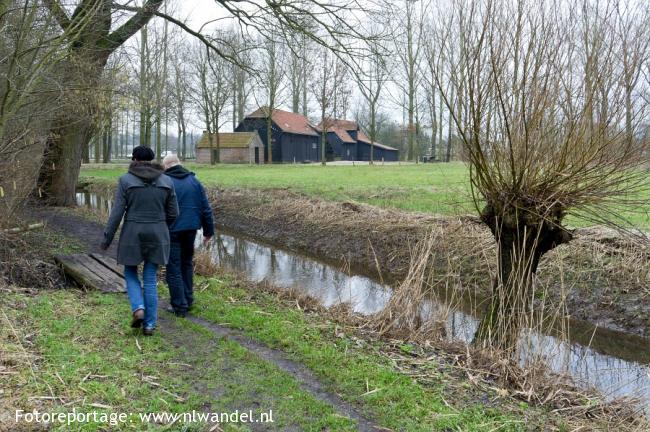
point(206, 240)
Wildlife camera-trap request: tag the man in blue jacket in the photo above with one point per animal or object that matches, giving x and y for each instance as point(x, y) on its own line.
point(194, 212)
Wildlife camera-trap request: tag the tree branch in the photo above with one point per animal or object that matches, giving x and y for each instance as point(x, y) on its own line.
point(135, 23)
point(58, 13)
point(220, 52)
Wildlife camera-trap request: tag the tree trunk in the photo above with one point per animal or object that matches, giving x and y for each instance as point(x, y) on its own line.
point(86, 153)
point(108, 140)
point(62, 160)
point(269, 135)
point(184, 141)
point(373, 132)
point(97, 148)
point(440, 99)
point(520, 248)
point(449, 123)
point(158, 134)
point(434, 124)
point(144, 110)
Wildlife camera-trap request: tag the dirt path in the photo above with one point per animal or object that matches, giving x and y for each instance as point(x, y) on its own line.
point(89, 234)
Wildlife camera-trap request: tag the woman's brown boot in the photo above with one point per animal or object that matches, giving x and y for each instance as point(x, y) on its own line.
point(138, 317)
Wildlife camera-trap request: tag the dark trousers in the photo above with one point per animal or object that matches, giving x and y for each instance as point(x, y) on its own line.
point(180, 269)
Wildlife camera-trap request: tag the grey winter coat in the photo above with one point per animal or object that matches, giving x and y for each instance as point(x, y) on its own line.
point(145, 198)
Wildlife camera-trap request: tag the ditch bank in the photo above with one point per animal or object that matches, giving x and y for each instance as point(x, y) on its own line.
point(604, 277)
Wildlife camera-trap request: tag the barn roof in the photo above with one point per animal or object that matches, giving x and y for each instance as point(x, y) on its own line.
point(348, 125)
point(287, 121)
point(341, 133)
point(228, 140)
point(364, 138)
point(340, 128)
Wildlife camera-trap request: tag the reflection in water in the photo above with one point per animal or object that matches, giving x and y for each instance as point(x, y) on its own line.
point(595, 361)
point(94, 201)
point(283, 269)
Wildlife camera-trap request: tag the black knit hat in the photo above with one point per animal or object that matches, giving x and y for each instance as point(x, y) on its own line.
point(142, 153)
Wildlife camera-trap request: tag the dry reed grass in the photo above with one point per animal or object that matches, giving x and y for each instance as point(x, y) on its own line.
point(406, 313)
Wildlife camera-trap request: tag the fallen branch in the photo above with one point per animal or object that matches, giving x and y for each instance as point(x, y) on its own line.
point(27, 227)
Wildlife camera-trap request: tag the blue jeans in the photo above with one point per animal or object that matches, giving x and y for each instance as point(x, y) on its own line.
point(180, 269)
point(148, 302)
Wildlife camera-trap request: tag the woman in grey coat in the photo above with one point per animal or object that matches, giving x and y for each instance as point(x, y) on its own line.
point(145, 199)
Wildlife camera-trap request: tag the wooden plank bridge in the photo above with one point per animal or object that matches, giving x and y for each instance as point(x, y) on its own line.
point(93, 271)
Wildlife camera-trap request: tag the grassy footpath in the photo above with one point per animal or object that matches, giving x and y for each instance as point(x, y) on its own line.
point(84, 355)
point(429, 188)
point(76, 347)
point(355, 369)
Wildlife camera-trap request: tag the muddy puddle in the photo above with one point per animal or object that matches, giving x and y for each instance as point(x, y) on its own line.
point(616, 363)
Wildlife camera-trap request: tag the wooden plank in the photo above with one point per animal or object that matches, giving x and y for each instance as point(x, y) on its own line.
point(98, 275)
point(88, 272)
point(109, 263)
point(74, 268)
point(109, 281)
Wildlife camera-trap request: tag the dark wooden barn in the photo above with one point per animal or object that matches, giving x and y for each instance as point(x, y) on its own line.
point(381, 152)
point(294, 138)
point(348, 142)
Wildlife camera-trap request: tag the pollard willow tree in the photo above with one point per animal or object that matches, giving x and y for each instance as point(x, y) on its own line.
point(542, 108)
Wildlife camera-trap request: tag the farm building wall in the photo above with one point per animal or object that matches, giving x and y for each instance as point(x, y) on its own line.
point(390, 155)
point(202, 155)
point(259, 125)
point(378, 153)
point(300, 148)
point(337, 145)
point(349, 152)
point(228, 155)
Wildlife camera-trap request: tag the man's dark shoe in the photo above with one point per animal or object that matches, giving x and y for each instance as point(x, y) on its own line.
point(179, 314)
point(138, 317)
point(147, 331)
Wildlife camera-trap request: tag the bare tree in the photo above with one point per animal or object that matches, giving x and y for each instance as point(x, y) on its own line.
point(328, 89)
point(271, 79)
point(632, 29)
point(94, 19)
point(371, 83)
point(212, 94)
point(544, 128)
point(180, 93)
point(408, 35)
point(241, 49)
point(31, 56)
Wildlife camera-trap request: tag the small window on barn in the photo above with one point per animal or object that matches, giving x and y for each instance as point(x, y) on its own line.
point(348, 152)
point(313, 145)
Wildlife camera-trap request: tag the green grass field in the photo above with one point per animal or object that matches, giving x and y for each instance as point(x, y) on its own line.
point(430, 188)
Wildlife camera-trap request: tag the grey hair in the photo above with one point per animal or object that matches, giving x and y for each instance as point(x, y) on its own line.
point(171, 161)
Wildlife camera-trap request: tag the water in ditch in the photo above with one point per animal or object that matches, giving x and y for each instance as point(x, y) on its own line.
point(616, 363)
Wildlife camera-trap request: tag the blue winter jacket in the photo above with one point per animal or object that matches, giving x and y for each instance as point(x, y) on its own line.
point(194, 209)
